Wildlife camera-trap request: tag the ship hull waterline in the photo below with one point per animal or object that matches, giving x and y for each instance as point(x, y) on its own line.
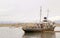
point(39, 30)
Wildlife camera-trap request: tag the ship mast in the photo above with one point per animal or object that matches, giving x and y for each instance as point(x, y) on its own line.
point(47, 13)
point(40, 12)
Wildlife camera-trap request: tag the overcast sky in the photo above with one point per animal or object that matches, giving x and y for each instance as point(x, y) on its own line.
point(27, 10)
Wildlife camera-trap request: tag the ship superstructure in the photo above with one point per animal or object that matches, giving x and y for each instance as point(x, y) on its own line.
point(45, 25)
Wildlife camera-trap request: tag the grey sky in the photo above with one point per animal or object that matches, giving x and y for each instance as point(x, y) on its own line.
point(27, 10)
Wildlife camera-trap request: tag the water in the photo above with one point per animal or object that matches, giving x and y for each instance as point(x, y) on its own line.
point(6, 32)
point(19, 33)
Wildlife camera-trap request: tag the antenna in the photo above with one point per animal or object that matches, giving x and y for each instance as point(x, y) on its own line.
point(40, 12)
point(47, 13)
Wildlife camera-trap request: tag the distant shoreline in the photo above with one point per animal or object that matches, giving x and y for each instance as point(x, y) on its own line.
point(22, 24)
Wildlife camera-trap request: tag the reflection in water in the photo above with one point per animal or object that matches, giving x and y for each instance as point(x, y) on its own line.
point(48, 35)
point(40, 35)
point(58, 35)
